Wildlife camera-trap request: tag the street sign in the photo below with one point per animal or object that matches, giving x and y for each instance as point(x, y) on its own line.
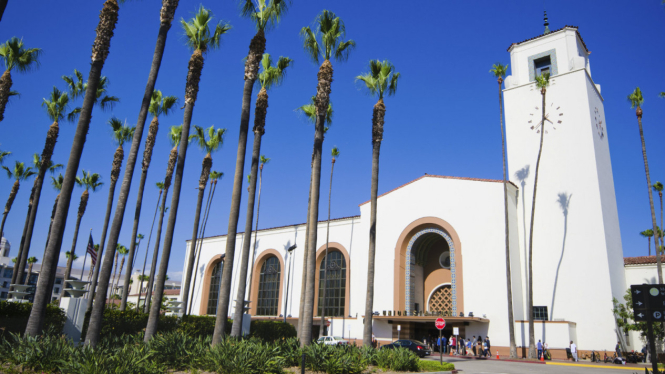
point(455, 330)
point(440, 323)
point(648, 302)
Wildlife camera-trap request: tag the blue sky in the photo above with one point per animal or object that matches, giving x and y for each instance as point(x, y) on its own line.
point(442, 120)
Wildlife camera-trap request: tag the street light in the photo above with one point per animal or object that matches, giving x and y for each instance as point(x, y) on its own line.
point(288, 278)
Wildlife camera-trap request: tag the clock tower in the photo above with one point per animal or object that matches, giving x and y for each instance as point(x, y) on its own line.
point(577, 253)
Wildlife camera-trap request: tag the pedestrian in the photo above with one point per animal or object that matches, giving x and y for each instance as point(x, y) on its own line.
point(618, 349)
point(479, 344)
point(452, 343)
point(443, 344)
point(546, 350)
point(540, 349)
point(644, 354)
point(373, 340)
point(489, 346)
point(438, 344)
point(473, 348)
point(573, 351)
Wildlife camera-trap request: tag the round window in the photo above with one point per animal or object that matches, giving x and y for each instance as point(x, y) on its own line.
point(444, 260)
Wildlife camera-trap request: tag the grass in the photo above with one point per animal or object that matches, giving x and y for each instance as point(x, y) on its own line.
point(435, 366)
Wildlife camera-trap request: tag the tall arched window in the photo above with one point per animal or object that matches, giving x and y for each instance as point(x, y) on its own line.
point(268, 300)
point(215, 281)
point(336, 284)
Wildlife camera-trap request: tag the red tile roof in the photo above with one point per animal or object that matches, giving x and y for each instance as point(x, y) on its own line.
point(641, 260)
point(442, 177)
point(552, 32)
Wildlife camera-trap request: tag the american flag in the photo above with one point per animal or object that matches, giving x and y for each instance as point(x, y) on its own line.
point(91, 250)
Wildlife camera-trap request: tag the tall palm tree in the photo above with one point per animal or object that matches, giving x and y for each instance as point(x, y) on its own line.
point(175, 135)
point(122, 250)
point(648, 234)
point(4, 154)
point(209, 144)
point(265, 14)
point(159, 105)
point(659, 188)
point(262, 161)
point(309, 110)
point(381, 80)
point(56, 183)
point(115, 267)
point(201, 40)
point(270, 76)
point(89, 181)
point(19, 173)
point(16, 57)
point(499, 71)
point(214, 177)
point(636, 100)
point(334, 153)
point(31, 261)
point(160, 186)
point(108, 19)
point(331, 31)
point(56, 106)
point(542, 82)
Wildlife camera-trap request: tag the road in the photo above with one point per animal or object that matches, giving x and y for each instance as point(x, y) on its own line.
point(506, 367)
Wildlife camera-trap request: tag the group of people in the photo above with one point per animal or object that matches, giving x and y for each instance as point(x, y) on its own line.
point(476, 346)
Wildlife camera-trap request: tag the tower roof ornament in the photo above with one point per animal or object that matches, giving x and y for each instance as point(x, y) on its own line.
point(547, 24)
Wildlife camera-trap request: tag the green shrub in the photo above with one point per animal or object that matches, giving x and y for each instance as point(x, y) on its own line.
point(250, 356)
point(272, 330)
point(129, 359)
point(289, 350)
point(14, 317)
point(44, 353)
point(398, 359)
point(435, 366)
point(176, 350)
point(335, 359)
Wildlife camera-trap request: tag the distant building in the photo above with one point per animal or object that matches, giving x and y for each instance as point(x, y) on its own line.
point(7, 270)
point(5, 246)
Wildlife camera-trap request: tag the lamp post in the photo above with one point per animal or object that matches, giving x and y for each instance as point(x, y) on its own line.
point(288, 278)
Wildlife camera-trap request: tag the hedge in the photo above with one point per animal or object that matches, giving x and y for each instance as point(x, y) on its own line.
point(270, 331)
point(14, 317)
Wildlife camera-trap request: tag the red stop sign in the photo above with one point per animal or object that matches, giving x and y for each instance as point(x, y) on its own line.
point(440, 323)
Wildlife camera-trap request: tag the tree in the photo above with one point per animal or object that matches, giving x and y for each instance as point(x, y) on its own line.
point(31, 261)
point(16, 57)
point(381, 79)
point(160, 186)
point(499, 71)
point(108, 19)
point(56, 106)
point(19, 173)
point(56, 183)
point(201, 40)
point(542, 82)
point(625, 318)
point(265, 14)
point(262, 160)
point(89, 181)
point(159, 105)
point(648, 234)
point(122, 250)
point(214, 177)
point(212, 143)
point(659, 188)
point(334, 153)
point(636, 100)
point(115, 267)
point(269, 77)
point(174, 137)
point(332, 32)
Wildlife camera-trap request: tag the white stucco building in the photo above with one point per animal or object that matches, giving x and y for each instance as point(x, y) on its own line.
point(441, 240)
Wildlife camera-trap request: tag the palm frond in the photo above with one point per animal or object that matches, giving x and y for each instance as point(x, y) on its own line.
point(198, 33)
point(175, 134)
point(270, 75)
point(264, 160)
point(73, 116)
point(335, 152)
point(215, 175)
point(56, 105)
point(310, 44)
point(543, 80)
point(4, 154)
point(160, 185)
point(635, 98)
point(108, 102)
point(17, 57)
point(57, 182)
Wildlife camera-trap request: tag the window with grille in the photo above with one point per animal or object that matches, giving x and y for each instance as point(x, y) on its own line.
point(268, 298)
point(441, 300)
point(335, 291)
point(215, 281)
point(540, 313)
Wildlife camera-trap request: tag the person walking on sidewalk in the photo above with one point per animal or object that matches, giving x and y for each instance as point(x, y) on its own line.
point(489, 347)
point(540, 349)
point(573, 351)
point(618, 349)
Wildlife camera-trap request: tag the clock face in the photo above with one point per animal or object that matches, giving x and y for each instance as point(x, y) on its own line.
point(598, 121)
point(553, 118)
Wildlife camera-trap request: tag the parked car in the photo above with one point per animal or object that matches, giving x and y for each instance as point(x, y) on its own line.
point(416, 346)
point(332, 340)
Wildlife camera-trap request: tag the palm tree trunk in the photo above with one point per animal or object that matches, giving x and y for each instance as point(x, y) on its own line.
point(325, 264)
point(115, 272)
point(8, 205)
point(5, 89)
point(649, 245)
point(3, 5)
point(191, 91)
point(27, 278)
point(82, 205)
point(653, 211)
point(49, 290)
point(377, 136)
point(117, 283)
point(323, 89)
point(509, 286)
point(155, 255)
point(199, 243)
point(532, 344)
point(25, 229)
point(203, 181)
point(108, 19)
point(256, 48)
point(147, 249)
point(256, 233)
point(301, 311)
point(47, 153)
point(166, 17)
point(660, 195)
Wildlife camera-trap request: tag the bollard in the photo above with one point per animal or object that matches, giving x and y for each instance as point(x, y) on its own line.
point(302, 367)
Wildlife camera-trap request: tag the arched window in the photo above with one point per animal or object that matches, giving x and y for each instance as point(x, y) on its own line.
point(441, 300)
point(215, 282)
point(268, 299)
point(336, 287)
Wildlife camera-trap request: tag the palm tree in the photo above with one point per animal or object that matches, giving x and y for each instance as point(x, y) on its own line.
point(16, 57)
point(499, 71)
point(122, 250)
point(265, 14)
point(380, 80)
point(262, 160)
point(174, 137)
point(19, 173)
point(31, 261)
point(334, 153)
point(115, 272)
point(659, 188)
point(55, 106)
point(212, 143)
point(309, 110)
point(214, 177)
point(269, 77)
point(108, 19)
point(648, 234)
point(160, 186)
point(4, 154)
point(57, 185)
point(159, 105)
point(73, 258)
point(88, 181)
point(332, 32)
point(636, 100)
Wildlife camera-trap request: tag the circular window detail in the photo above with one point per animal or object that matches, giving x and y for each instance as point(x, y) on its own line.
point(444, 260)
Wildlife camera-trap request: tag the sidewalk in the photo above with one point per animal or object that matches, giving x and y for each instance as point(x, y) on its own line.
point(582, 363)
